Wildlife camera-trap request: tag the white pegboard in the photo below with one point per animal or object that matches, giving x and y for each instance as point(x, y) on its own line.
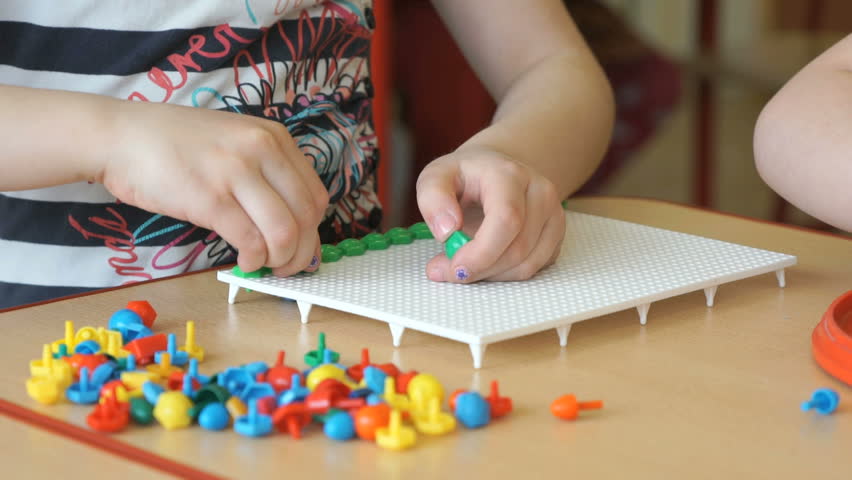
point(606, 266)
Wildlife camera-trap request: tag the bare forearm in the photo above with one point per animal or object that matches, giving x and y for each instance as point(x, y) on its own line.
point(803, 142)
point(557, 118)
point(50, 137)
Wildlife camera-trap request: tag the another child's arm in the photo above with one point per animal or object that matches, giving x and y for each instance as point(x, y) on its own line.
point(803, 138)
point(552, 126)
point(242, 176)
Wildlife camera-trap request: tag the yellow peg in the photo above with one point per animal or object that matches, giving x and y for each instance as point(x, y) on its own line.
point(114, 345)
point(41, 368)
point(165, 367)
point(395, 400)
point(395, 436)
point(190, 347)
point(434, 421)
point(68, 341)
point(44, 390)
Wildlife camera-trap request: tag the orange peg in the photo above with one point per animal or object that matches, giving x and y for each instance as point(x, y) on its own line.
point(567, 407)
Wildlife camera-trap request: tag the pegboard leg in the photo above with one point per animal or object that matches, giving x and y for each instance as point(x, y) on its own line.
point(233, 289)
point(779, 274)
point(710, 294)
point(396, 333)
point(563, 334)
point(304, 309)
point(643, 312)
point(477, 350)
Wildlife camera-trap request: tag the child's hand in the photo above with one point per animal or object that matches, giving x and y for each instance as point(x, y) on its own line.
point(243, 177)
point(513, 213)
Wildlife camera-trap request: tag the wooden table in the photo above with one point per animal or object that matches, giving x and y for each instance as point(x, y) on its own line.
point(697, 393)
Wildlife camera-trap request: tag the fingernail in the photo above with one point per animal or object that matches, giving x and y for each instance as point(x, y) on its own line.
point(444, 223)
point(435, 274)
point(462, 274)
point(314, 262)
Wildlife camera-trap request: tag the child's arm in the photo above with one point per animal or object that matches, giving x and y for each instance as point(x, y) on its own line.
point(242, 176)
point(803, 138)
point(552, 126)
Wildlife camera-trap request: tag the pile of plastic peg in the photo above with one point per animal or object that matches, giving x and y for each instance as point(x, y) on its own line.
point(135, 376)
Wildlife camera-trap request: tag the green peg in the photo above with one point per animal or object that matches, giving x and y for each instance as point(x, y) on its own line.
point(455, 242)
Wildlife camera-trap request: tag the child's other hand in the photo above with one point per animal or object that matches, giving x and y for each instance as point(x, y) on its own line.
point(513, 214)
point(241, 176)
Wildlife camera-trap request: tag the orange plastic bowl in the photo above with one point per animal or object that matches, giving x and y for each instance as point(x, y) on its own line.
point(832, 339)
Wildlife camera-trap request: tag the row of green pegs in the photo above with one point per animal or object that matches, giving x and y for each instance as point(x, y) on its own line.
point(353, 247)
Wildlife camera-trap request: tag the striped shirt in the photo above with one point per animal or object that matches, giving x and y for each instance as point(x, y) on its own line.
point(303, 63)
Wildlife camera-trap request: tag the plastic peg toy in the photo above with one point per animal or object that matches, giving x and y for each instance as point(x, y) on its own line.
point(135, 379)
point(144, 310)
point(188, 389)
point(403, 379)
point(316, 357)
point(340, 426)
point(370, 418)
point(421, 231)
point(141, 411)
point(279, 374)
point(145, 348)
point(253, 424)
point(235, 380)
point(45, 364)
point(114, 389)
point(376, 241)
point(255, 391)
point(324, 372)
point(109, 416)
point(164, 367)
point(396, 436)
point(396, 400)
point(330, 253)
point(472, 410)
point(172, 410)
point(255, 368)
point(214, 416)
point(267, 405)
point(295, 393)
point(567, 407)
point(434, 421)
point(452, 400)
point(421, 388)
point(84, 391)
point(85, 334)
point(823, 400)
point(103, 373)
point(455, 242)
point(292, 418)
point(68, 341)
point(236, 407)
point(374, 379)
point(211, 393)
point(79, 360)
point(176, 357)
point(44, 390)
point(190, 347)
point(152, 391)
point(356, 372)
point(261, 272)
point(87, 347)
point(192, 371)
point(130, 363)
point(114, 345)
point(399, 236)
point(500, 406)
point(352, 247)
point(127, 322)
point(61, 351)
point(375, 399)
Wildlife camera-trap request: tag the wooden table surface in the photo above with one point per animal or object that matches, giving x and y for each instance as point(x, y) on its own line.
point(696, 393)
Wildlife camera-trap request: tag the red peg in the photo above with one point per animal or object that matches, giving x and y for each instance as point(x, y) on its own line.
point(144, 310)
point(279, 375)
point(292, 419)
point(499, 405)
point(110, 416)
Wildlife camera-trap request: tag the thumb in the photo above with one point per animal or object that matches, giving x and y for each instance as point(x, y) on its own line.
point(437, 198)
